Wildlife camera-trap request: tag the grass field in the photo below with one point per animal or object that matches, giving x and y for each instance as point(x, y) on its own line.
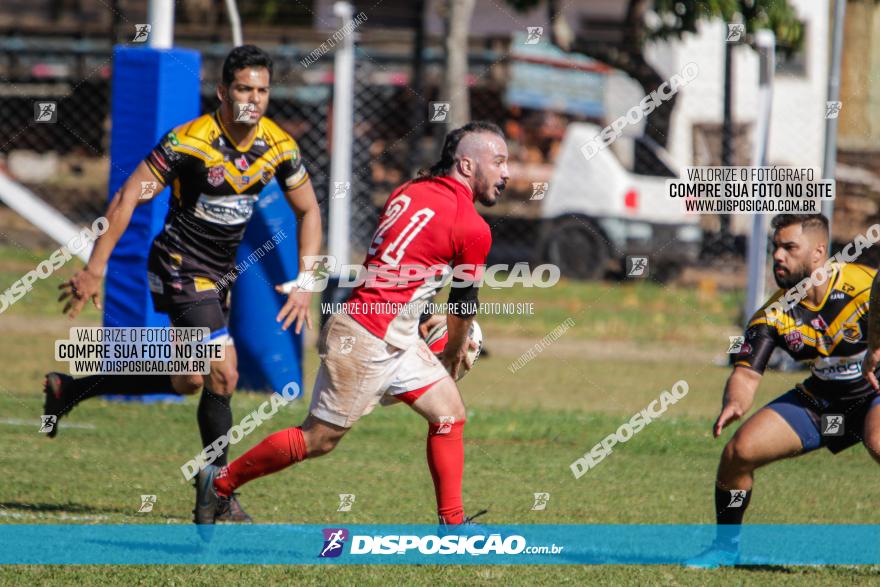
point(628, 343)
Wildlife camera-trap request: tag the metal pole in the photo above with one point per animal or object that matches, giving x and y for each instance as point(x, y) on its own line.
point(830, 163)
point(757, 250)
point(342, 137)
point(234, 22)
point(160, 15)
point(419, 107)
point(726, 238)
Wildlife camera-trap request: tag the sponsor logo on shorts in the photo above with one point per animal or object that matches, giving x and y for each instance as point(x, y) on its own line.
point(832, 425)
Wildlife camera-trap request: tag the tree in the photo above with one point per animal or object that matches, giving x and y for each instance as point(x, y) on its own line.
point(671, 19)
point(458, 22)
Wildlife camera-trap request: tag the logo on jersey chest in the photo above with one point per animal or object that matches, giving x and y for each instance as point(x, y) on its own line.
point(837, 295)
point(819, 323)
point(215, 175)
point(852, 333)
point(794, 340)
point(241, 163)
point(228, 210)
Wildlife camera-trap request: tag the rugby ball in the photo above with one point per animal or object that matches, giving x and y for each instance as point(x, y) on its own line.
point(438, 337)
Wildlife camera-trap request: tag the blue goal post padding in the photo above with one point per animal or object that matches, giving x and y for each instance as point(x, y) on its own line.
point(268, 357)
point(153, 91)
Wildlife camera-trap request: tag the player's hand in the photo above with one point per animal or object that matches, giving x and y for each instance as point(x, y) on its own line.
point(426, 326)
point(869, 366)
point(453, 360)
point(82, 287)
point(295, 309)
point(729, 413)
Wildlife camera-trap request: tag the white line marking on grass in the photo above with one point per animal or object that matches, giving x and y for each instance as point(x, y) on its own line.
point(24, 516)
point(36, 423)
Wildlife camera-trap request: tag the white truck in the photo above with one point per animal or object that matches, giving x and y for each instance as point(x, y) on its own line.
point(595, 213)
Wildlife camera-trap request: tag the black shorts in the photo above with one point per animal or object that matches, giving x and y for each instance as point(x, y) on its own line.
point(189, 300)
point(835, 424)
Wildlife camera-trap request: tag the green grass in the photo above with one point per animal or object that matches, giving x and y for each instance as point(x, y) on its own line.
point(523, 431)
point(640, 312)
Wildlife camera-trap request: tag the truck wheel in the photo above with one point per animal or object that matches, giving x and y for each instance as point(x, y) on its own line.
point(577, 247)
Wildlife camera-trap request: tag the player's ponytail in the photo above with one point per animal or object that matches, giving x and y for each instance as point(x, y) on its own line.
point(450, 146)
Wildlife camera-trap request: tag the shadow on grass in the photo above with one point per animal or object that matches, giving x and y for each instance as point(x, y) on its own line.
point(62, 508)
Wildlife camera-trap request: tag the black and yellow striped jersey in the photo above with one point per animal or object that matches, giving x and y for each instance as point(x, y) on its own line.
point(215, 185)
point(833, 335)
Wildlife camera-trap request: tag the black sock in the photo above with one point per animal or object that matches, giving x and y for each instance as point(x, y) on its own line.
point(730, 507)
point(83, 388)
point(215, 420)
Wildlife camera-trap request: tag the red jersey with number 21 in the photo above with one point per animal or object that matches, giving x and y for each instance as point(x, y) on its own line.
point(425, 223)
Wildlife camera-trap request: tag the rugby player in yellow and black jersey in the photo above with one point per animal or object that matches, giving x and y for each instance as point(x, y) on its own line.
point(835, 407)
point(216, 166)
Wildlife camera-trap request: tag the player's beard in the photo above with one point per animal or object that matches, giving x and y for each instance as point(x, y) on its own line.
point(790, 278)
point(485, 191)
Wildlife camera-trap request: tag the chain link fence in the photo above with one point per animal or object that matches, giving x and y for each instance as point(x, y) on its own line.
point(66, 163)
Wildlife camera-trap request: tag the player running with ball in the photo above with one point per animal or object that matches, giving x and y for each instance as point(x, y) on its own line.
point(216, 166)
point(834, 408)
point(366, 354)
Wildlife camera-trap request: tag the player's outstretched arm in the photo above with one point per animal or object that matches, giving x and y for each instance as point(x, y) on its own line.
point(738, 396)
point(304, 204)
point(872, 356)
point(85, 285)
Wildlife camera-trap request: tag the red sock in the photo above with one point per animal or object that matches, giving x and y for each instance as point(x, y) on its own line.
point(446, 461)
point(277, 451)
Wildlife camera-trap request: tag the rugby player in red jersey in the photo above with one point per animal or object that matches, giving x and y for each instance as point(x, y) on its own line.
point(373, 348)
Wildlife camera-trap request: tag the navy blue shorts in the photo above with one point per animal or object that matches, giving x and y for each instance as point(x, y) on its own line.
point(835, 424)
